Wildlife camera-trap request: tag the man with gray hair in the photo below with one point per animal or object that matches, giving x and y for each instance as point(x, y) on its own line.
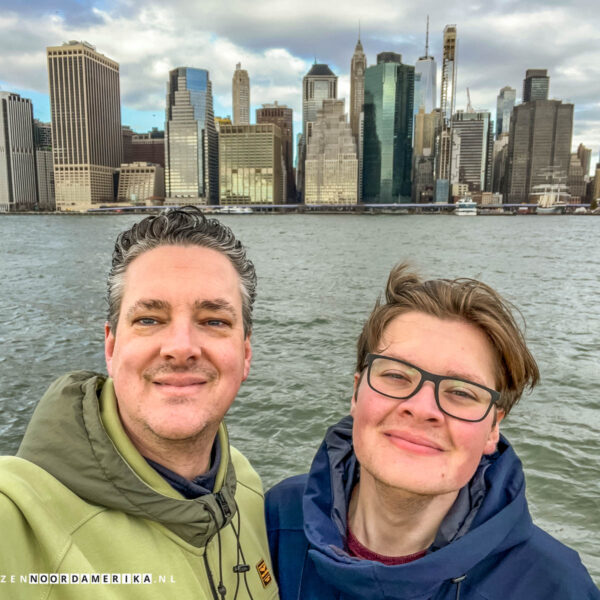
point(130, 479)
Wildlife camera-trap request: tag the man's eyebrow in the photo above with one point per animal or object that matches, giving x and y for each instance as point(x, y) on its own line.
point(466, 376)
point(218, 304)
point(148, 304)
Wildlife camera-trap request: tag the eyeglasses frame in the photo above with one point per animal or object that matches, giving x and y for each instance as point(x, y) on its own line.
point(435, 379)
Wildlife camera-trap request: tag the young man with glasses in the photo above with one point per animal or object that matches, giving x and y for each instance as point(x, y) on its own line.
point(416, 494)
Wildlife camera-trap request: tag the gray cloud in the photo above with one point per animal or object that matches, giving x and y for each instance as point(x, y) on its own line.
point(498, 41)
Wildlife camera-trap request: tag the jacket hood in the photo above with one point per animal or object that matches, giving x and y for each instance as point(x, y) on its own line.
point(496, 518)
point(68, 438)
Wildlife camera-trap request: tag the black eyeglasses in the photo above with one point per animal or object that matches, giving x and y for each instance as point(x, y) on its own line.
point(456, 397)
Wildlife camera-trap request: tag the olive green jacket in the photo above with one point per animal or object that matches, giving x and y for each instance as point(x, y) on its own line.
point(82, 515)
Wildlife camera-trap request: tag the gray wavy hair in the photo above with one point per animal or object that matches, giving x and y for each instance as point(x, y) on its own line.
point(179, 227)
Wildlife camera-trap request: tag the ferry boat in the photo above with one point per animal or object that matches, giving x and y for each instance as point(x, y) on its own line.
point(466, 207)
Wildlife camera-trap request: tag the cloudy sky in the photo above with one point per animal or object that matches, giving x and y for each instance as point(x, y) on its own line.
point(277, 40)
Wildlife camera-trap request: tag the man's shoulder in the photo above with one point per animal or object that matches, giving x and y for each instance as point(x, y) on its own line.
point(283, 503)
point(540, 567)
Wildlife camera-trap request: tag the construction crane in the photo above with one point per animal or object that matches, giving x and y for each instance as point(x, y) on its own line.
point(470, 108)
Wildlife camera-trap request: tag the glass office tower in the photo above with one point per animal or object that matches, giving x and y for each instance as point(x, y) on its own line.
point(191, 150)
point(388, 122)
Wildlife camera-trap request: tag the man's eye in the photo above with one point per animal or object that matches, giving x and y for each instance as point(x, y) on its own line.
point(216, 323)
point(146, 321)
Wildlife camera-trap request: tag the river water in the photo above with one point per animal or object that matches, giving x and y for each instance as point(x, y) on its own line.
point(319, 276)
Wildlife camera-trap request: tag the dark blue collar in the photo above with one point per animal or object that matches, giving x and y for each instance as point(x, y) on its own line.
point(199, 486)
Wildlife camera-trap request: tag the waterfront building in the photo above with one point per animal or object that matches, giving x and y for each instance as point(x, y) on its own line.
point(42, 136)
point(536, 85)
point(127, 138)
point(447, 100)
point(426, 128)
point(499, 163)
point(423, 179)
point(85, 106)
point(357, 87)
point(18, 185)
point(476, 146)
point(191, 145)
point(539, 142)
point(283, 117)
point(149, 147)
point(141, 183)
point(331, 158)
point(240, 96)
point(250, 164)
point(222, 121)
point(585, 157)
point(319, 84)
point(388, 121)
point(576, 180)
point(596, 187)
point(504, 105)
point(425, 79)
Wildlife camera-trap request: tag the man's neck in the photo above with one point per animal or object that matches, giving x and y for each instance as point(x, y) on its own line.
point(188, 458)
point(394, 522)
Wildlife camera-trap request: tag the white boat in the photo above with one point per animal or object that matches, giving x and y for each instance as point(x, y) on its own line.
point(466, 207)
point(552, 197)
point(235, 210)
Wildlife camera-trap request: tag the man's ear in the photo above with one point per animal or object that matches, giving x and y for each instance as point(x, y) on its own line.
point(247, 357)
point(494, 435)
point(109, 348)
point(354, 392)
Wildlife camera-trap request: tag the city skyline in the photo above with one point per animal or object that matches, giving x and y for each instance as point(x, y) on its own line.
point(496, 47)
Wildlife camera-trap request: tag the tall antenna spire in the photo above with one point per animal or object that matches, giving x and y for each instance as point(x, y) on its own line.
point(359, 30)
point(427, 39)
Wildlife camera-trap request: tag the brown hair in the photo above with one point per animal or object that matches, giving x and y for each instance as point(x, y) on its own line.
point(463, 299)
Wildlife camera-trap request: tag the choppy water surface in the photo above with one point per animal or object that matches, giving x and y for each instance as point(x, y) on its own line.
point(318, 279)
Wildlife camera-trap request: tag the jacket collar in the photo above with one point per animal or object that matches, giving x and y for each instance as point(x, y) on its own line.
point(88, 451)
point(496, 519)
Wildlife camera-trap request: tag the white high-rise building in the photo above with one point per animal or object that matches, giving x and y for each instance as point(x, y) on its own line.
point(240, 88)
point(85, 105)
point(425, 80)
point(331, 158)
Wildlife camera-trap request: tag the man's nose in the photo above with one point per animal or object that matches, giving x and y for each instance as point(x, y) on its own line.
point(422, 405)
point(182, 341)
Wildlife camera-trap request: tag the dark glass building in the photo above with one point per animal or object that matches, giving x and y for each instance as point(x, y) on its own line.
point(388, 122)
point(536, 85)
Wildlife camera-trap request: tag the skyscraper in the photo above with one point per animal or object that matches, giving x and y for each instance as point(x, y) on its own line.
point(191, 146)
point(318, 84)
point(476, 147)
point(504, 105)
point(425, 79)
point(585, 157)
point(85, 107)
point(447, 99)
point(250, 164)
point(18, 185)
point(331, 158)
point(283, 117)
point(241, 96)
point(357, 87)
point(536, 85)
point(42, 135)
point(540, 139)
point(388, 123)
point(448, 90)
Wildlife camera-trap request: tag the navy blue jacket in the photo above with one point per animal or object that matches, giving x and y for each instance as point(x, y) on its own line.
point(487, 547)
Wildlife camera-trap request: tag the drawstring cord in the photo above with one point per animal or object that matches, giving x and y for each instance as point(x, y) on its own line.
point(458, 582)
point(240, 567)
